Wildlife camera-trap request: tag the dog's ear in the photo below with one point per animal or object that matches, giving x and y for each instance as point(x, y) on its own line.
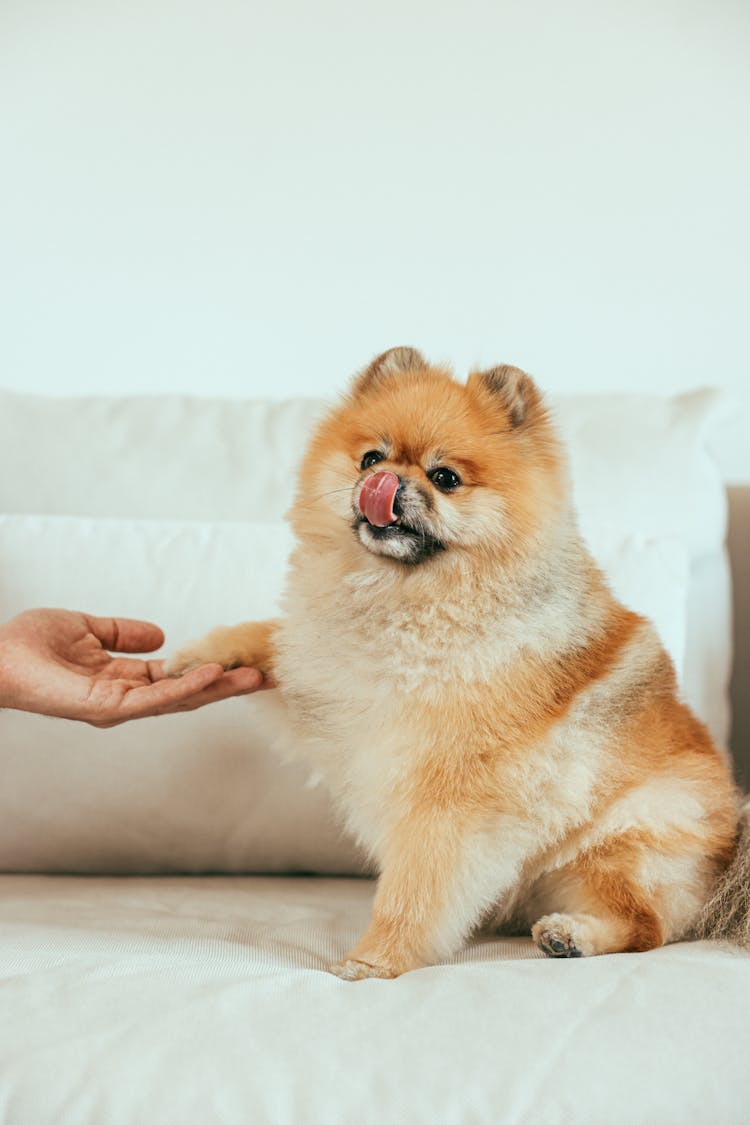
point(513, 390)
point(393, 362)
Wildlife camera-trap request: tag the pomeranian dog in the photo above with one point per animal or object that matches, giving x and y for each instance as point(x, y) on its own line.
point(502, 736)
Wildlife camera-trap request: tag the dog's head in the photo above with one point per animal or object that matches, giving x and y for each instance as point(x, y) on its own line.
point(415, 467)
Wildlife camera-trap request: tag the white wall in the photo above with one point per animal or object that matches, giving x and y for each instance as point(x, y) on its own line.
point(232, 197)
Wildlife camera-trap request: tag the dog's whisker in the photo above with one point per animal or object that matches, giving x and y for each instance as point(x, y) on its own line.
point(314, 499)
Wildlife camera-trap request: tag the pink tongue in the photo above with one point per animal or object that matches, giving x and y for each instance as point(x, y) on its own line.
point(376, 498)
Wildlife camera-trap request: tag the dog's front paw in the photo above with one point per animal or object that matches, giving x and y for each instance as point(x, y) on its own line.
point(212, 649)
point(348, 969)
point(185, 659)
point(233, 646)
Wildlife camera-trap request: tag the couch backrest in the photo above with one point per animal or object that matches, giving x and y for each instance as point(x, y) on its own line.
point(171, 509)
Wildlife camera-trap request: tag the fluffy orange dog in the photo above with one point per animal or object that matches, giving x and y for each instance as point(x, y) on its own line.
point(504, 738)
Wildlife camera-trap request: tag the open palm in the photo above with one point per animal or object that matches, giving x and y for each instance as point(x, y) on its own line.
point(58, 662)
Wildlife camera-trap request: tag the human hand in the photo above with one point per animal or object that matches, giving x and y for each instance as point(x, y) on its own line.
point(55, 662)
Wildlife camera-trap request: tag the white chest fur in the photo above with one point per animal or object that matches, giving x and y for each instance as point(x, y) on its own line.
point(361, 654)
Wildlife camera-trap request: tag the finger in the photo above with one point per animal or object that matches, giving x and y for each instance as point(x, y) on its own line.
point(239, 681)
point(166, 695)
point(156, 671)
point(125, 634)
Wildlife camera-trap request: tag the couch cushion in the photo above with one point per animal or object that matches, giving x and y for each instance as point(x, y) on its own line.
point(199, 1000)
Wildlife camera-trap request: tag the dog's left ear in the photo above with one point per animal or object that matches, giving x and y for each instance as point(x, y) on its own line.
point(392, 362)
point(512, 389)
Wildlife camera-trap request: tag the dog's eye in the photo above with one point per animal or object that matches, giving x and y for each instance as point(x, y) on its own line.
point(371, 459)
point(445, 479)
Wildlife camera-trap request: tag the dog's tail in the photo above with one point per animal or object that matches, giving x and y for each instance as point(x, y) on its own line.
point(726, 915)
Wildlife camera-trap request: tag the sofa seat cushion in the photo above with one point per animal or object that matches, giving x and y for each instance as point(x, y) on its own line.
point(191, 1000)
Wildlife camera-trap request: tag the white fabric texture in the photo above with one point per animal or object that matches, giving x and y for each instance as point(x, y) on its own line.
point(185, 1001)
point(170, 509)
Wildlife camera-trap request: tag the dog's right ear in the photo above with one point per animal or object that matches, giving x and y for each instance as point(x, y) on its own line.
point(395, 361)
point(511, 389)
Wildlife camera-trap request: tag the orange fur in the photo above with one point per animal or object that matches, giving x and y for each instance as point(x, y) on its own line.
point(503, 736)
point(250, 644)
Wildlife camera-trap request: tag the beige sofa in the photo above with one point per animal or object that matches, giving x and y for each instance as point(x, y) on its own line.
point(162, 954)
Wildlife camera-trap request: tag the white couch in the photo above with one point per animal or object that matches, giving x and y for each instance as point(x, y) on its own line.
point(171, 996)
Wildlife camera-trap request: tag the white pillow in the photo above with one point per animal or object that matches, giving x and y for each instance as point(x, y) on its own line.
point(204, 791)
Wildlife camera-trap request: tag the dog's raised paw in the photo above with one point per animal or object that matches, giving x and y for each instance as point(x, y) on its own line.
point(184, 660)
